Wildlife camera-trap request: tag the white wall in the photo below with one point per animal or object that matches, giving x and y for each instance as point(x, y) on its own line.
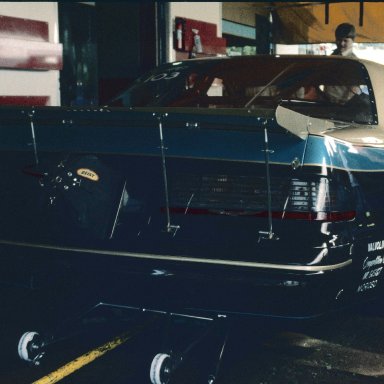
point(32, 83)
point(287, 49)
point(210, 12)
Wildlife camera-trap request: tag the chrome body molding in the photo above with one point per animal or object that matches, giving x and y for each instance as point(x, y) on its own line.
point(184, 259)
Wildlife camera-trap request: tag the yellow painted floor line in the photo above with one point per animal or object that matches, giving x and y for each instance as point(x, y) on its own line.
point(87, 358)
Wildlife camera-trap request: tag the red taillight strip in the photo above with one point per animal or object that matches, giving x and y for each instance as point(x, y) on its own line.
point(29, 170)
point(318, 216)
point(292, 215)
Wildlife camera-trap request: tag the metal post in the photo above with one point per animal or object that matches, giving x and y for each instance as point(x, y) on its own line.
point(170, 228)
point(268, 234)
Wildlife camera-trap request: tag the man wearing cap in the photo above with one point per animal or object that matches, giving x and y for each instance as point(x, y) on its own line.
point(345, 34)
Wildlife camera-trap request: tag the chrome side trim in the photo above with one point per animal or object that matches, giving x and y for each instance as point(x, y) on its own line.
point(185, 259)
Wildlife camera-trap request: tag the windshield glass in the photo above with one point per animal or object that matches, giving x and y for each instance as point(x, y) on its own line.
point(324, 87)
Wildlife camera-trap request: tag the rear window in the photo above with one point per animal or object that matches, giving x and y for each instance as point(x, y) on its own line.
point(331, 88)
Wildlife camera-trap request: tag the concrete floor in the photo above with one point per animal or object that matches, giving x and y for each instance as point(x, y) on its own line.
point(345, 348)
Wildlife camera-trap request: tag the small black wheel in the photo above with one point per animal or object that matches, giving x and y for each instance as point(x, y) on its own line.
point(30, 347)
point(161, 369)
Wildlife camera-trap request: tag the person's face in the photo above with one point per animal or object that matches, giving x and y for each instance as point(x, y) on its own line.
point(191, 80)
point(344, 45)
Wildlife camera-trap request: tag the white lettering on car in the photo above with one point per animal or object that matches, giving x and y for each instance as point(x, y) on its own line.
point(374, 273)
point(366, 286)
point(372, 263)
point(163, 76)
point(376, 246)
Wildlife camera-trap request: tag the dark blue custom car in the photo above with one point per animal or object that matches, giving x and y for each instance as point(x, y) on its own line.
point(248, 185)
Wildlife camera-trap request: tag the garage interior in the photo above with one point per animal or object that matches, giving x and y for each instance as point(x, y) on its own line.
point(103, 51)
point(105, 47)
point(95, 68)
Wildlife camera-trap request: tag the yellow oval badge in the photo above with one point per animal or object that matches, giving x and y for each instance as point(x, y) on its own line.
point(88, 174)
